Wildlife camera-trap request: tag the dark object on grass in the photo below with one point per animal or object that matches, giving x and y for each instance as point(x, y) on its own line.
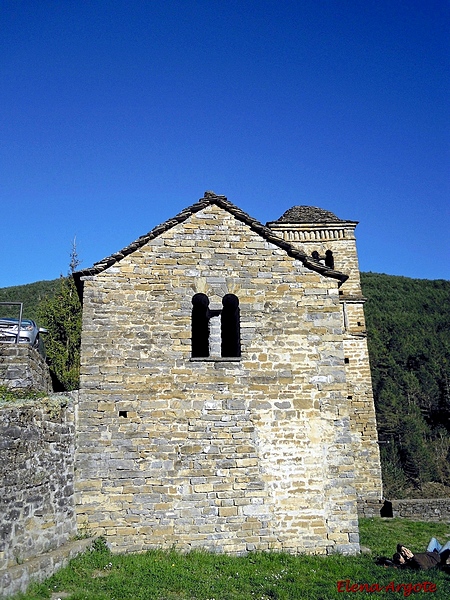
point(384, 561)
point(404, 558)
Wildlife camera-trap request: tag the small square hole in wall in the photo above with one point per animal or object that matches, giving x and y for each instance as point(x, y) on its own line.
point(349, 397)
point(123, 413)
point(359, 324)
point(346, 360)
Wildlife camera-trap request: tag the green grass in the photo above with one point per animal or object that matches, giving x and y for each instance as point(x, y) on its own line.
point(169, 575)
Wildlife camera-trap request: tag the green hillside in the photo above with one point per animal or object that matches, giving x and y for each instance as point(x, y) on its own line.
point(31, 296)
point(408, 322)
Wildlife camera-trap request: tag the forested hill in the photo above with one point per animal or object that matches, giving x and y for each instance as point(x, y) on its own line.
point(408, 323)
point(30, 295)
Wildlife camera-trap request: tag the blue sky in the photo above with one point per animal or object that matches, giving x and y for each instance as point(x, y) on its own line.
point(117, 114)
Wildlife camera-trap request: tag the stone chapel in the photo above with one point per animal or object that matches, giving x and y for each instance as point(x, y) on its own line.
point(225, 398)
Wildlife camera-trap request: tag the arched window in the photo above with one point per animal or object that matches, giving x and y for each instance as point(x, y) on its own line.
point(215, 333)
point(230, 327)
point(315, 255)
point(200, 325)
point(329, 259)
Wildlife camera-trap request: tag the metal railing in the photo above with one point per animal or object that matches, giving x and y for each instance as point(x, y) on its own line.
point(20, 304)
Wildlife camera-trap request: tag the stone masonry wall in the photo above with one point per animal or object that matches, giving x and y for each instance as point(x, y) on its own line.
point(339, 237)
point(368, 481)
point(17, 578)
point(416, 509)
point(232, 455)
point(36, 478)
point(436, 509)
point(23, 367)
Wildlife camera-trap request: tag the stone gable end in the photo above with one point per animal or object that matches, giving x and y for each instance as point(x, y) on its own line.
point(231, 454)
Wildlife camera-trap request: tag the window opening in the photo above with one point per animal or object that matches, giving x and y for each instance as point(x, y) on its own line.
point(329, 259)
point(230, 326)
point(123, 413)
point(315, 255)
point(215, 333)
point(200, 325)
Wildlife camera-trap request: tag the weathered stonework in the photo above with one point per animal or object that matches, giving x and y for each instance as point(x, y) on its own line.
point(255, 451)
point(417, 509)
point(23, 367)
point(314, 230)
point(37, 511)
point(435, 509)
point(18, 577)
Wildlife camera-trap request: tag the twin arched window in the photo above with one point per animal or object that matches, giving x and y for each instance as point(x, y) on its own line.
point(328, 258)
point(215, 332)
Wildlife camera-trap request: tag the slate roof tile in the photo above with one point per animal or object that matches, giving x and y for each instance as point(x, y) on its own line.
point(309, 214)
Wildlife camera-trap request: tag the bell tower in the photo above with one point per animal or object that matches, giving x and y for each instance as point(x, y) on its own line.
point(331, 241)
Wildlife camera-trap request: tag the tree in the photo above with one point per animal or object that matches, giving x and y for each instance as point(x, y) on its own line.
point(408, 324)
point(61, 315)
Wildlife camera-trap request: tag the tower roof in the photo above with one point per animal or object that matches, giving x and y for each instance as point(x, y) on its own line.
point(309, 214)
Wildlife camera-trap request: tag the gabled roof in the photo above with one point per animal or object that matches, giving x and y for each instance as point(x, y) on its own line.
point(209, 199)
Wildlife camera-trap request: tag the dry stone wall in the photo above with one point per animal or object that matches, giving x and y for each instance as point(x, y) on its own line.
point(416, 509)
point(17, 578)
point(23, 367)
point(229, 454)
point(36, 478)
point(435, 509)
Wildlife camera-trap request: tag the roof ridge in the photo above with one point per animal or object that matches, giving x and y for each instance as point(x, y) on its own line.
point(208, 199)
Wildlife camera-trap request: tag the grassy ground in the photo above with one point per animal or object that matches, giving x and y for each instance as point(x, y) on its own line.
point(159, 575)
